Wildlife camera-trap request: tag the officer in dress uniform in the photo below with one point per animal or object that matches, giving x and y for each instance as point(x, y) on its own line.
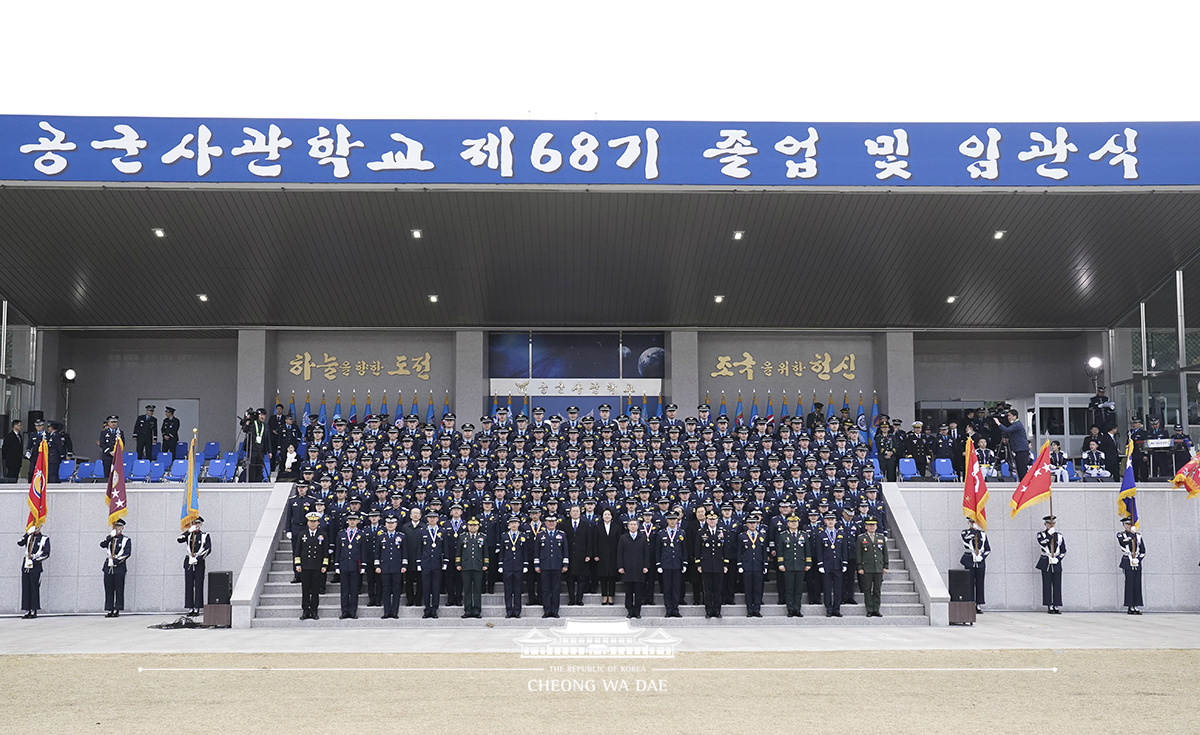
point(871, 556)
point(790, 552)
point(831, 555)
point(391, 562)
point(108, 442)
point(119, 547)
point(976, 548)
point(1160, 459)
point(1141, 460)
point(713, 562)
point(37, 550)
point(353, 549)
point(551, 560)
point(1132, 552)
point(145, 431)
point(472, 561)
point(431, 563)
point(752, 560)
point(1181, 449)
point(311, 562)
point(170, 432)
point(670, 552)
point(1054, 548)
point(198, 545)
point(513, 560)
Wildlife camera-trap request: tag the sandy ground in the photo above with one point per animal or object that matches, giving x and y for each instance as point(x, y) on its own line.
point(1069, 691)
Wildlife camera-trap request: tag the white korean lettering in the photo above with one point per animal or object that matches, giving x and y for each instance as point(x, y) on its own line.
point(49, 163)
point(1059, 149)
point(203, 154)
point(1120, 155)
point(973, 147)
point(128, 142)
point(328, 152)
point(408, 160)
point(733, 150)
point(789, 146)
point(633, 151)
point(496, 152)
point(269, 145)
point(892, 148)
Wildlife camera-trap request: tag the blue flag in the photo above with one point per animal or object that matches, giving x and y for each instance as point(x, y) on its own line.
point(337, 407)
point(874, 426)
point(1127, 498)
point(292, 404)
point(307, 410)
point(783, 414)
point(321, 413)
point(753, 406)
point(429, 413)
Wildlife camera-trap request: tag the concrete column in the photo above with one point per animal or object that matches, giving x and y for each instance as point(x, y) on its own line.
point(682, 383)
point(470, 376)
point(48, 395)
point(255, 369)
point(896, 375)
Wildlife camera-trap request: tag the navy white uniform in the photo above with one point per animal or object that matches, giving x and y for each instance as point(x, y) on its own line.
point(199, 546)
point(1132, 551)
point(670, 559)
point(1054, 548)
point(119, 549)
point(976, 548)
point(513, 558)
point(37, 550)
point(550, 555)
point(391, 558)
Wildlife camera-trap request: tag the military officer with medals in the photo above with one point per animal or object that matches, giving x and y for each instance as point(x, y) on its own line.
point(830, 556)
point(513, 560)
point(108, 442)
point(353, 550)
point(390, 550)
point(37, 550)
point(170, 432)
point(976, 548)
point(145, 432)
point(119, 548)
point(790, 552)
point(752, 559)
point(1054, 548)
point(431, 563)
point(550, 561)
point(871, 555)
point(311, 562)
point(199, 546)
point(472, 560)
point(713, 563)
point(670, 559)
point(1133, 549)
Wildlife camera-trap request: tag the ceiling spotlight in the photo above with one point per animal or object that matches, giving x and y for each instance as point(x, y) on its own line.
point(202, 296)
point(433, 298)
point(719, 298)
point(416, 234)
point(739, 234)
point(1095, 363)
point(159, 232)
point(999, 234)
point(951, 299)
point(68, 375)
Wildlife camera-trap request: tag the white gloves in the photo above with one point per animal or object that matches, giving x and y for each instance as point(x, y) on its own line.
point(977, 558)
point(289, 535)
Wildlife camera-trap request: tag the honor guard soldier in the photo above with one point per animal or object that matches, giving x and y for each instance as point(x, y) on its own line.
point(353, 548)
point(472, 562)
point(145, 432)
point(1054, 548)
point(713, 563)
point(976, 548)
point(199, 546)
point(391, 562)
point(871, 554)
point(119, 548)
point(670, 551)
point(513, 560)
point(830, 556)
point(752, 562)
point(311, 562)
point(431, 563)
point(108, 443)
point(551, 561)
point(170, 433)
point(1132, 552)
point(790, 552)
point(633, 564)
point(37, 550)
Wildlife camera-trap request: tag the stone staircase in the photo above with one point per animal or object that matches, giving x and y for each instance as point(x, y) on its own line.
point(279, 606)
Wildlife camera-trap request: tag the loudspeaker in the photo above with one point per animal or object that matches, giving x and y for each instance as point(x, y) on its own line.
point(33, 416)
point(961, 589)
point(220, 587)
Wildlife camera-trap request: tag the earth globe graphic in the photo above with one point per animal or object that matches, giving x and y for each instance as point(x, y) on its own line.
point(651, 362)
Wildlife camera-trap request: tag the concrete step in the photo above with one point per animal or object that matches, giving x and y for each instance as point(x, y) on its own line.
point(894, 579)
point(329, 619)
point(330, 607)
point(291, 596)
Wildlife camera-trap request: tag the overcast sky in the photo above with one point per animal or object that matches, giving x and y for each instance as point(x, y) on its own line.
point(748, 60)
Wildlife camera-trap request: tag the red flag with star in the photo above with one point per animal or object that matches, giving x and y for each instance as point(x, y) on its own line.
point(975, 492)
point(1036, 486)
point(116, 484)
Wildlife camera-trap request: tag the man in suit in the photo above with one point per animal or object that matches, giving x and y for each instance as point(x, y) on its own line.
point(145, 432)
point(472, 560)
point(353, 550)
point(871, 555)
point(633, 564)
point(37, 550)
point(13, 450)
point(831, 555)
point(412, 552)
point(551, 560)
point(170, 432)
point(1054, 548)
point(579, 534)
point(670, 560)
point(119, 548)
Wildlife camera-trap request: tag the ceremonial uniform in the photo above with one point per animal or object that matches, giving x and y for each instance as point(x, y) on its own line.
point(391, 558)
point(431, 563)
point(119, 548)
point(1054, 548)
point(472, 560)
point(1132, 551)
point(353, 550)
point(976, 548)
point(108, 444)
point(712, 559)
point(514, 563)
point(790, 553)
point(550, 557)
point(199, 546)
point(670, 552)
point(871, 553)
point(145, 432)
point(831, 555)
point(37, 550)
point(312, 557)
point(752, 559)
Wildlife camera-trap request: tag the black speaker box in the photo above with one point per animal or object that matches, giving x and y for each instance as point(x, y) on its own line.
point(961, 589)
point(220, 587)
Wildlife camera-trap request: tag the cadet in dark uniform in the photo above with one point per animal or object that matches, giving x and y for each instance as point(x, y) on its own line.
point(670, 552)
point(472, 561)
point(713, 561)
point(56, 451)
point(199, 546)
point(391, 562)
point(37, 550)
point(830, 555)
point(311, 563)
point(976, 548)
point(1141, 460)
point(514, 563)
point(1132, 551)
point(752, 559)
point(789, 555)
point(145, 432)
point(108, 443)
point(353, 548)
point(872, 557)
point(119, 547)
point(1054, 548)
point(633, 564)
point(170, 432)
point(431, 563)
point(298, 507)
point(551, 560)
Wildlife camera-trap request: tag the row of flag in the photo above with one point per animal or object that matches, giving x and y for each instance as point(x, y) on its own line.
point(353, 415)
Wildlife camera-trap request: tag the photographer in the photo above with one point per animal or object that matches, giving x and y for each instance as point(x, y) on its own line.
point(1018, 441)
point(254, 426)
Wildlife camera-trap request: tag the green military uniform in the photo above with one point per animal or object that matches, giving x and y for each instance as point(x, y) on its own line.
point(472, 560)
point(791, 555)
point(872, 554)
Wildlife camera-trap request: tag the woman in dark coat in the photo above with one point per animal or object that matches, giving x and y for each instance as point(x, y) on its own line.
point(607, 533)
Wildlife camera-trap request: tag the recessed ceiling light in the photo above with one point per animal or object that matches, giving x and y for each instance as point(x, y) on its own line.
point(202, 296)
point(719, 298)
point(416, 234)
point(433, 298)
point(159, 232)
point(951, 299)
point(739, 234)
point(999, 234)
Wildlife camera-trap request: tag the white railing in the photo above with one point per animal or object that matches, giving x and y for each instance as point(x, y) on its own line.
point(258, 560)
point(925, 575)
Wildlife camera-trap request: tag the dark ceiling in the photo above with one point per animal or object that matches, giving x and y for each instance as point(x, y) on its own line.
point(342, 258)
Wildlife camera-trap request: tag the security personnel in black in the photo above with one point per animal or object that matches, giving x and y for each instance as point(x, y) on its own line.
point(1054, 548)
point(431, 563)
point(119, 548)
point(145, 431)
point(1133, 550)
point(513, 560)
point(198, 545)
point(170, 432)
point(37, 550)
point(353, 550)
point(713, 563)
point(311, 562)
point(472, 561)
point(551, 559)
point(790, 553)
point(391, 562)
point(831, 556)
point(107, 443)
point(670, 559)
point(752, 558)
point(1141, 460)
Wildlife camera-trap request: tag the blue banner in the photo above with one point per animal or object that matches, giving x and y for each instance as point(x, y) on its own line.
point(707, 154)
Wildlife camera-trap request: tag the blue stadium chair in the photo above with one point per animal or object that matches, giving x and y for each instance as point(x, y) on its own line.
point(83, 471)
point(155, 448)
point(908, 469)
point(230, 471)
point(65, 470)
point(98, 471)
point(140, 471)
point(215, 470)
point(944, 470)
point(178, 470)
point(212, 450)
point(230, 457)
point(1006, 473)
point(130, 458)
point(181, 450)
point(878, 470)
point(1072, 475)
point(156, 472)
point(164, 459)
